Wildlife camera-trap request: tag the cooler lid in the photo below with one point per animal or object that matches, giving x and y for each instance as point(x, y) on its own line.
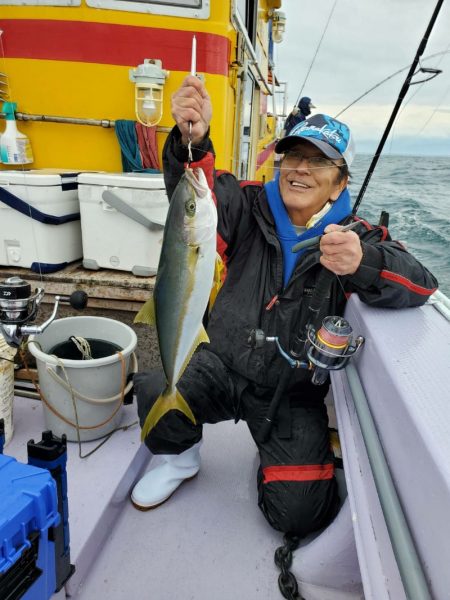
point(39, 177)
point(154, 181)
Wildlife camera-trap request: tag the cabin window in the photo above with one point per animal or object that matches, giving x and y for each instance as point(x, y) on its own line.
point(248, 9)
point(193, 9)
point(245, 150)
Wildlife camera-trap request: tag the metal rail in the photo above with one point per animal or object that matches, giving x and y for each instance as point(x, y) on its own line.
point(106, 123)
point(251, 51)
point(410, 568)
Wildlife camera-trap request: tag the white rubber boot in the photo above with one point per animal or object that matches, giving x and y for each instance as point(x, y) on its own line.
point(159, 484)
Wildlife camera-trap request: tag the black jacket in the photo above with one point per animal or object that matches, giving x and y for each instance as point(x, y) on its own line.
point(253, 295)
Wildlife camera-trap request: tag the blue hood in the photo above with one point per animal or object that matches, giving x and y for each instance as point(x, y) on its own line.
point(286, 233)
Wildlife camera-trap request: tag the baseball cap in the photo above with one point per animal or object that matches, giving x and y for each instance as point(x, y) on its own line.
point(331, 136)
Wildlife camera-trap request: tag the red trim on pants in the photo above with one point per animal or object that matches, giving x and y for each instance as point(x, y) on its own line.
point(298, 472)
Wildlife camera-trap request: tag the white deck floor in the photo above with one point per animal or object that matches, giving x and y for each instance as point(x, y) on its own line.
point(208, 541)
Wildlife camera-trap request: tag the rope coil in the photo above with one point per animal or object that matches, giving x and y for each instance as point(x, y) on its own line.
point(83, 346)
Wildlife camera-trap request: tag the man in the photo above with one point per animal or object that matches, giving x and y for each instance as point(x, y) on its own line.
point(269, 287)
point(298, 114)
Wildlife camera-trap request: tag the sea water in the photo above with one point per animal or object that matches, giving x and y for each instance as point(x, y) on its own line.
point(415, 191)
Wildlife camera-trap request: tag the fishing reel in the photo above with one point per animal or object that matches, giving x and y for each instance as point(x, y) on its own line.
point(327, 350)
point(19, 306)
point(331, 347)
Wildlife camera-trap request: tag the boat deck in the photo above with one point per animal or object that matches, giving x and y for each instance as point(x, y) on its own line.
point(208, 541)
point(211, 541)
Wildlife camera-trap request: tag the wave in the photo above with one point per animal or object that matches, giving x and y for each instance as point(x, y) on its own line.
point(414, 190)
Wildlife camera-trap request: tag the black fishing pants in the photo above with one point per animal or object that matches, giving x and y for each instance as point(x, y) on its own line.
point(296, 485)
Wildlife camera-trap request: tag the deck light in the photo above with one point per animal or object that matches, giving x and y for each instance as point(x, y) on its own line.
point(278, 25)
point(149, 78)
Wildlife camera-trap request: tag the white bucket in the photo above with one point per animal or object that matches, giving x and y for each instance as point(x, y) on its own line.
point(7, 387)
point(84, 394)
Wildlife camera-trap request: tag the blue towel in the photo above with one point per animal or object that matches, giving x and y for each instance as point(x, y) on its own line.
point(129, 146)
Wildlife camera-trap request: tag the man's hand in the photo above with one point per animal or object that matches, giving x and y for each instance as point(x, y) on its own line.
point(341, 250)
point(191, 103)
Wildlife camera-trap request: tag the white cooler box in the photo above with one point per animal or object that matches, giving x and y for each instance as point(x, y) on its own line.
point(39, 219)
point(122, 220)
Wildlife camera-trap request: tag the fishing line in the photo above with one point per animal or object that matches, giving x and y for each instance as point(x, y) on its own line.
point(435, 110)
point(317, 51)
point(438, 104)
point(418, 89)
point(387, 79)
point(235, 161)
point(400, 98)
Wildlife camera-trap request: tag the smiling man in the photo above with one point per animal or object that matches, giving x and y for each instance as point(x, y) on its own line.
point(269, 287)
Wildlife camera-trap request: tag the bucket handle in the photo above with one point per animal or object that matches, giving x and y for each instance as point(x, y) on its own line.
point(76, 425)
point(80, 396)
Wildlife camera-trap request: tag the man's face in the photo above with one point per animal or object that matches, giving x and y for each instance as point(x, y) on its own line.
point(308, 179)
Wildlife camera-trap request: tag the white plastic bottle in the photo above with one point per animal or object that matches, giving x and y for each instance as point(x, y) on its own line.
point(15, 147)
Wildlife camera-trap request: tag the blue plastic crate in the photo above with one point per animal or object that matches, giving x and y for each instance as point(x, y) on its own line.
point(28, 510)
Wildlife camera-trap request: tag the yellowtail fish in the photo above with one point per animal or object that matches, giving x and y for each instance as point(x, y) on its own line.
point(183, 285)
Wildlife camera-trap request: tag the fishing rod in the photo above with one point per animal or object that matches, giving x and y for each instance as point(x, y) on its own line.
point(400, 99)
point(317, 51)
point(433, 73)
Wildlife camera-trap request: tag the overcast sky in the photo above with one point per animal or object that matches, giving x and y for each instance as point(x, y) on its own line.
point(367, 41)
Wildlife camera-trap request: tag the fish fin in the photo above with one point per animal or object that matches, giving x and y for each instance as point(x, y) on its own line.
point(202, 338)
point(170, 399)
point(219, 277)
point(147, 313)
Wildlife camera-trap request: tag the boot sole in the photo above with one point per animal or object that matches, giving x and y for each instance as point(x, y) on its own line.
point(146, 508)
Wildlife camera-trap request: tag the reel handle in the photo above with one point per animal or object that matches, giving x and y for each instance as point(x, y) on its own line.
point(77, 299)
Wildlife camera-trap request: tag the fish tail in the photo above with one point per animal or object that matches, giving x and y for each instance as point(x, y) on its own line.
point(146, 313)
point(170, 399)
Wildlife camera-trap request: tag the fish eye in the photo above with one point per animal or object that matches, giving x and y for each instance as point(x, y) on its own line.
point(190, 207)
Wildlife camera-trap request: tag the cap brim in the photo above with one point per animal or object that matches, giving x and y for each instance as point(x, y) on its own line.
point(291, 140)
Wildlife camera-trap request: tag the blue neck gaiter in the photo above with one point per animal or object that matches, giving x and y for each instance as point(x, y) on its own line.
point(286, 233)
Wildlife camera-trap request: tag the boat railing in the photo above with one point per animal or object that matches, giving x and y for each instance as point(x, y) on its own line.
point(441, 302)
point(106, 123)
point(409, 565)
point(251, 51)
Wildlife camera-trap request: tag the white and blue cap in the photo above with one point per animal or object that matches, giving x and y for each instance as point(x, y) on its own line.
point(330, 136)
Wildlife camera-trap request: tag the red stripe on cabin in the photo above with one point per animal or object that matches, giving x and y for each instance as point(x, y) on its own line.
point(298, 472)
point(107, 43)
point(264, 155)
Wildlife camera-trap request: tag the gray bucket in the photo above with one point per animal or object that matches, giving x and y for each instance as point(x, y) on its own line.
point(84, 394)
